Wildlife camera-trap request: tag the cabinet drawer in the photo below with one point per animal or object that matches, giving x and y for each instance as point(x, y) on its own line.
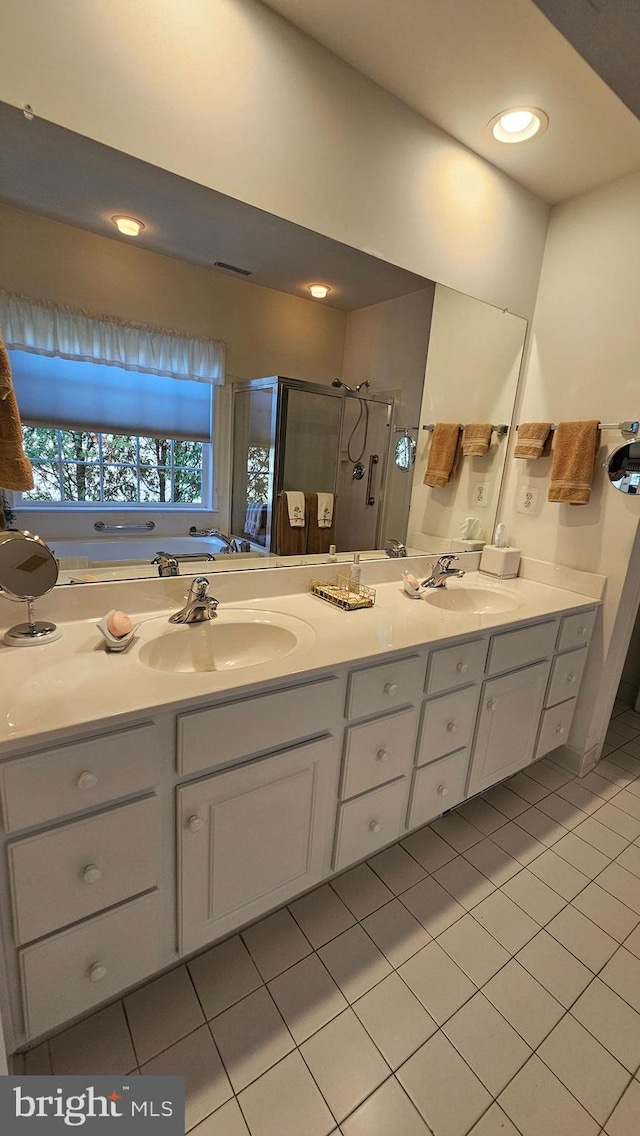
point(223, 734)
point(554, 727)
point(566, 675)
point(61, 876)
point(438, 787)
point(575, 630)
point(378, 751)
point(447, 724)
point(456, 666)
point(389, 685)
point(53, 783)
point(69, 973)
point(517, 648)
point(369, 822)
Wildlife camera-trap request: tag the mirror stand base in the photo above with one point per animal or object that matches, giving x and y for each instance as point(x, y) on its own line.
point(31, 634)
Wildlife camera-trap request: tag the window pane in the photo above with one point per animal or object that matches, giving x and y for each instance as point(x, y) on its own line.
point(119, 448)
point(155, 484)
point(155, 451)
point(40, 442)
point(187, 453)
point(46, 485)
point(187, 486)
point(120, 483)
point(80, 482)
point(79, 445)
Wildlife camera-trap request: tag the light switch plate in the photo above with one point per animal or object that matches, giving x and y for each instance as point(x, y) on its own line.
point(528, 499)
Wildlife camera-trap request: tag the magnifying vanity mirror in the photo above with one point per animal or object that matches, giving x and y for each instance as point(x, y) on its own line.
point(28, 570)
point(623, 468)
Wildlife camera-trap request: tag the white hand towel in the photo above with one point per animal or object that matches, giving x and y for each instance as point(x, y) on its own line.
point(295, 507)
point(325, 510)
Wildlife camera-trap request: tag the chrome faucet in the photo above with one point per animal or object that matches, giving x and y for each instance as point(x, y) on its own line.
point(441, 572)
point(169, 562)
point(200, 606)
point(230, 543)
point(395, 548)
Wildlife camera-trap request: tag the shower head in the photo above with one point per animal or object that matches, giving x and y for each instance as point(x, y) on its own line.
point(339, 383)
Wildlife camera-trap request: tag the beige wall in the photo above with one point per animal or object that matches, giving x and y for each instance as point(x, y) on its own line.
point(228, 94)
point(583, 363)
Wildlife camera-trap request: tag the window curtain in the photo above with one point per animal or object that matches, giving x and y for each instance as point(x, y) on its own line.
point(47, 329)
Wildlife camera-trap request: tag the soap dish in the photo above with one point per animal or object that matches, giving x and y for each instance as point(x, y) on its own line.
point(344, 593)
point(112, 642)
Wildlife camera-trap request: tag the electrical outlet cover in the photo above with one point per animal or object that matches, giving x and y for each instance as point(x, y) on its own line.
point(480, 494)
point(527, 499)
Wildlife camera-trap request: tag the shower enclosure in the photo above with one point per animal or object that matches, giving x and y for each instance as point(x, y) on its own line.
point(290, 435)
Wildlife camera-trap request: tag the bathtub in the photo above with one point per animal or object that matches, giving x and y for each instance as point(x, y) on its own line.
point(104, 551)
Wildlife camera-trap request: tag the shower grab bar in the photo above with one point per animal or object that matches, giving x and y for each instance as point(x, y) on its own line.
point(502, 428)
point(147, 526)
point(373, 461)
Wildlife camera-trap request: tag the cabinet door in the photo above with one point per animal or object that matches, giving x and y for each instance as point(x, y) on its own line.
point(252, 837)
point(510, 710)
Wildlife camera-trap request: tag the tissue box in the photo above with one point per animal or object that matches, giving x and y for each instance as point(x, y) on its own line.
point(502, 562)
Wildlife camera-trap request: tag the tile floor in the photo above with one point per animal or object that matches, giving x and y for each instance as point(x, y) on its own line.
point(481, 976)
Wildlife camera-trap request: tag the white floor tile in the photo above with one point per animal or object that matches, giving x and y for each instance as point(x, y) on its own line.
point(622, 974)
point(197, 1060)
point(322, 915)
point(355, 962)
point(361, 890)
point(251, 1037)
point(581, 855)
point(612, 1021)
point(99, 1045)
point(519, 844)
point(541, 826)
point(428, 849)
point(626, 759)
point(307, 997)
point(495, 1122)
point(487, 1042)
point(606, 911)
point(162, 1012)
point(580, 797)
point(621, 884)
point(582, 938)
point(223, 975)
point(345, 1063)
point(432, 905)
point(539, 1105)
point(562, 877)
point(456, 831)
point(601, 786)
point(482, 815)
point(536, 898)
point(525, 787)
point(387, 1112)
point(555, 968)
point(444, 1090)
point(503, 919)
point(618, 821)
point(225, 1121)
point(625, 1119)
point(548, 776)
point(395, 1019)
point(588, 1070)
point(275, 943)
point(506, 802)
point(474, 950)
point(286, 1102)
point(633, 942)
point(613, 773)
point(464, 882)
point(37, 1061)
point(397, 869)
point(494, 863)
point(525, 1004)
point(437, 981)
point(601, 837)
point(561, 811)
point(396, 932)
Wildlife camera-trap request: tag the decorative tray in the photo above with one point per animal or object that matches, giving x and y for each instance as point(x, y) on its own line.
point(344, 593)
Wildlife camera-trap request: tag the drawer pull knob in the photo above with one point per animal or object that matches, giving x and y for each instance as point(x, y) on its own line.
point(560, 730)
point(195, 823)
point(452, 727)
point(571, 678)
point(91, 874)
point(391, 688)
point(443, 791)
point(97, 972)
point(87, 780)
point(375, 826)
point(492, 704)
point(462, 668)
point(383, 756)
point(582, 631)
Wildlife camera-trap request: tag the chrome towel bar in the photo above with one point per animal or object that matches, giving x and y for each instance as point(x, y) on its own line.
point(148, 526)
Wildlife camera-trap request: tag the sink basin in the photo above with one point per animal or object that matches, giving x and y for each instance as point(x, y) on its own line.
point(235, 638)
point(473, 601)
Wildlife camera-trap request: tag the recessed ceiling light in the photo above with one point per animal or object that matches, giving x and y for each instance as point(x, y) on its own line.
point(319, 291)
point(518, 124)
point(128, 225)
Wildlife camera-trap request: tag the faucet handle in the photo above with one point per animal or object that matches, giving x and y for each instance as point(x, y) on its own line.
point(198, 588)
point(447, 559)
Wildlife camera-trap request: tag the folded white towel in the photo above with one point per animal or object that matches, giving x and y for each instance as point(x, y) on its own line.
point(325, 510)
point(252, 519)
point(295, 507)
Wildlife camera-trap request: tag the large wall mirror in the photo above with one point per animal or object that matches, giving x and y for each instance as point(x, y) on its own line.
point(317, 395)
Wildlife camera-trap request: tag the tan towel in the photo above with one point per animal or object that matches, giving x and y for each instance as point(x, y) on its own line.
point(532, 440)
point(476, 438)
point(290, 541)
point(15, 467)
point(319, 538)
point(575, 446)
point(443, 453)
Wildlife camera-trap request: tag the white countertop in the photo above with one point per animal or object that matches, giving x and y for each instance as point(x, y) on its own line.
point(52, 689)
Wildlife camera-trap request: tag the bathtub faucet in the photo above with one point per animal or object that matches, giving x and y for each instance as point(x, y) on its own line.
point(168, 562)
point(229, 542)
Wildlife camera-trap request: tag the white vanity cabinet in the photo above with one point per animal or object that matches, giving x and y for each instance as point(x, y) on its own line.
point(507, 725)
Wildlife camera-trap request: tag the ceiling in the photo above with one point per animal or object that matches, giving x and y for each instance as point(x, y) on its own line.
point(55, 172)
point(460, 62)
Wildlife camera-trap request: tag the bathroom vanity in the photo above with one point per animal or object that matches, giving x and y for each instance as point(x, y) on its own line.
point(149, 810)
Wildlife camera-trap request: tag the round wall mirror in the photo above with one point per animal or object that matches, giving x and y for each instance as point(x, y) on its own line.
point(405, 452)
point(28, 569)
point(623, 468)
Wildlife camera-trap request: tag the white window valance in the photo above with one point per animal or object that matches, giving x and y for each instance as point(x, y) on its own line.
point(49, 329)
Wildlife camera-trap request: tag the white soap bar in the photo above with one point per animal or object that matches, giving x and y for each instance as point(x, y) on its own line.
point(502, 562)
